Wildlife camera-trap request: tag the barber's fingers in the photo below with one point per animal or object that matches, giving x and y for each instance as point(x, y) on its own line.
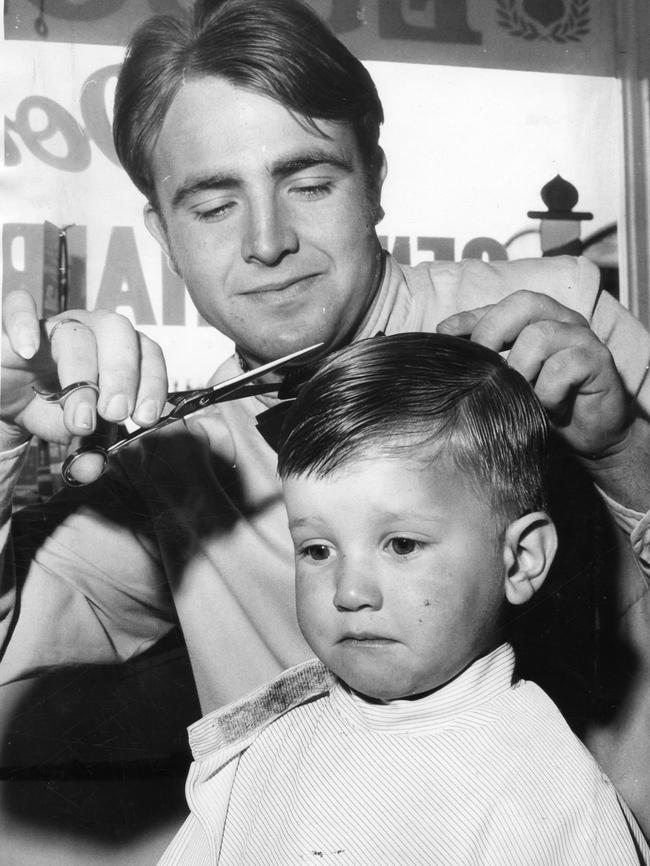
point(132, 373)
point(118, 363)
point(584, 357)
point(576, 380)
point(153, 384)
point(124, 369)
point(555, 355)
point(498, 325)
point(127, 366)
point(577, 370)
point(586, 400)
point(20, 323)
point(73, 349)
point(567, 362)
point(554, 348)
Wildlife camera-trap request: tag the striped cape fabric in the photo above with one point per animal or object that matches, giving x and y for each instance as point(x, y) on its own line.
point(482, 772)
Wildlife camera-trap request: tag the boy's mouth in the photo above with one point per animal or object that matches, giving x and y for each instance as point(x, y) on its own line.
point(365, 639)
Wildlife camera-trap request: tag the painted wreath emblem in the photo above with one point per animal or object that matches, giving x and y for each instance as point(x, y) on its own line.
point(548, 20)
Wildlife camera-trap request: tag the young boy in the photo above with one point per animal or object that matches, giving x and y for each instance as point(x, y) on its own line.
point(414, 471)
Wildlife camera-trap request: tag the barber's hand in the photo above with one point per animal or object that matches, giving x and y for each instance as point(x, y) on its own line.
point(573, 373)
point(100, 347)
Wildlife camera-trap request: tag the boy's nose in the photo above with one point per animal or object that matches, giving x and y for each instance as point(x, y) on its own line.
point(269, 233)
point(356, 589)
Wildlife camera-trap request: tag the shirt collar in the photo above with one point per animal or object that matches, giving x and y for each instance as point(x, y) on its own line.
point(485, 679)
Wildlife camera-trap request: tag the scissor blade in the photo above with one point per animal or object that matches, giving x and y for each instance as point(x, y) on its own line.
point(207, 396)
point(196, 400)
point(251, 375)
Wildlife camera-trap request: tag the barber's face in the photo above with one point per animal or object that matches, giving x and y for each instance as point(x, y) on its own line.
point(269, 222)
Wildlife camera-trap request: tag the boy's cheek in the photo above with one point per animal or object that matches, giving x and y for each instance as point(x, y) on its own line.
point(313, 612)
point(305, 608)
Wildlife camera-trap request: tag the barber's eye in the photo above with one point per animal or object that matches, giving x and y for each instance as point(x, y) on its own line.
point(403, 546)
point(317, 552)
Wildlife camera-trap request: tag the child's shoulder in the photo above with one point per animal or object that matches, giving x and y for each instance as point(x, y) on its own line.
point(240, 722)
point(546, 782)
point(552, 759)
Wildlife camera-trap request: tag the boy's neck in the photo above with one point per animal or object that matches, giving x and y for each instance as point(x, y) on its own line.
point(420, 695)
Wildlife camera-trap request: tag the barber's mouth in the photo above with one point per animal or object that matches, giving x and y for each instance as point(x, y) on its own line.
point(286, 289)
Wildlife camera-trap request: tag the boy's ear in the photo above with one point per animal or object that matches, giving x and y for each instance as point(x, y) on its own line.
point(529, 547)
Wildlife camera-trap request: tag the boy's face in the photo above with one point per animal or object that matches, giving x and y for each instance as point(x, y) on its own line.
point(399, 573)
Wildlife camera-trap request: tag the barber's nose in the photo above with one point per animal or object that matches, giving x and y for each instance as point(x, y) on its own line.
point(356, 587)
point(269, 233)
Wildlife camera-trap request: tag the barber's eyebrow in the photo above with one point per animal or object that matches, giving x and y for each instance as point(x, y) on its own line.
point(194, 184)
point(340, 159)
point(282, 168)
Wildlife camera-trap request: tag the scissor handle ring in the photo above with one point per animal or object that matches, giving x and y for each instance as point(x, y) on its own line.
point(70, 460)
point(61, 396)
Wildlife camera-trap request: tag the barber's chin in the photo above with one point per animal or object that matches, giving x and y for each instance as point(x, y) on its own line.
point(280, 350)
point(285, 344)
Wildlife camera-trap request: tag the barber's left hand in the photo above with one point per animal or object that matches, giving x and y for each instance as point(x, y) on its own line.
point(572, 372)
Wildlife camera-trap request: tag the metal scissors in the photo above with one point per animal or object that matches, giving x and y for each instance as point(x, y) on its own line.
point(184, 403)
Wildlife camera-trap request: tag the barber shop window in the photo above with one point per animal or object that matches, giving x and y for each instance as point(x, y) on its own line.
point(490, 101)
point(470, 151)
point(487, 102)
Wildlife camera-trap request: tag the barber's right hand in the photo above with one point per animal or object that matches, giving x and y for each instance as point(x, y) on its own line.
point(99, 347)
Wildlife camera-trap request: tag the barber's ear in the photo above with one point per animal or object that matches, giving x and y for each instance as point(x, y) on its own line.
point(156, 229)
point(529, 547)
point(155, 226)
point(380, 177)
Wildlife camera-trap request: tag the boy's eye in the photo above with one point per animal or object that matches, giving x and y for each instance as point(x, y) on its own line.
point(403, 546)
point(317, 552)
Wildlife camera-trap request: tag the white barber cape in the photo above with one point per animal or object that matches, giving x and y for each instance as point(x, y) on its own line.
point(482, 772)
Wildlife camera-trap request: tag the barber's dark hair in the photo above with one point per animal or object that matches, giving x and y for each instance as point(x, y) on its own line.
point(277, 48)
point(424, 395)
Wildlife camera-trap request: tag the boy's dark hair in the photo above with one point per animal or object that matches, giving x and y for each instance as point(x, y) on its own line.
point(427, 393)
point(277, 48)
